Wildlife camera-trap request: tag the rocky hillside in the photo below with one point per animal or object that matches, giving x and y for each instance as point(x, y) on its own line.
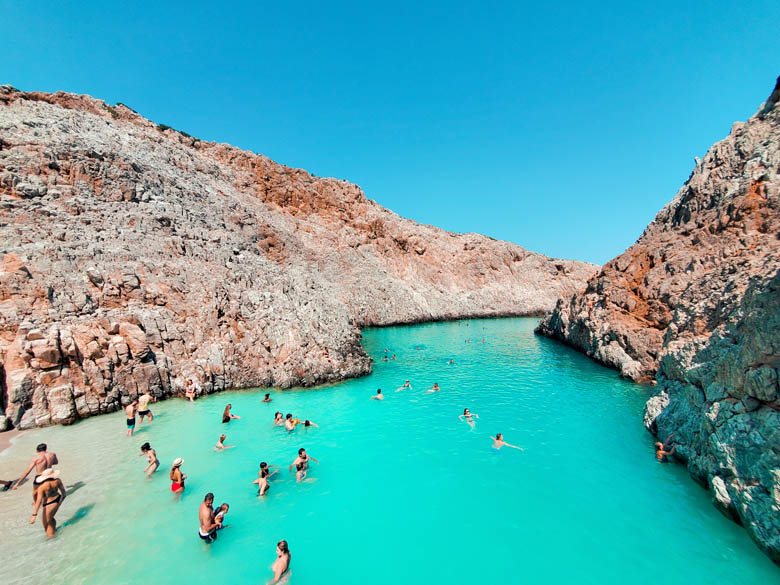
point(135, 256)
point(695, 303)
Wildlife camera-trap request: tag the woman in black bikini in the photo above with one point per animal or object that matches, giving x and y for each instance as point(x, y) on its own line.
point(51, 493)
point(227, 416)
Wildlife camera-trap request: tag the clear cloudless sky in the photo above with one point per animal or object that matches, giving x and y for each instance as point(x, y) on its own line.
point(563, 127)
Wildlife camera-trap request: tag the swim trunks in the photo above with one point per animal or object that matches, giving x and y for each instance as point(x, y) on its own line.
point(131, 422)
point(210, 537)
point(143, 412)
point(175, 487)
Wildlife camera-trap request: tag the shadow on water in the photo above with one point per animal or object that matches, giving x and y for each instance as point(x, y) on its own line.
point(79, 515)
point(71, 489)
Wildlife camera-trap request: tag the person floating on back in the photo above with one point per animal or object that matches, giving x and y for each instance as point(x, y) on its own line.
point(467, 416)
point(405, 386)
point(498, 442)
point(661, 452)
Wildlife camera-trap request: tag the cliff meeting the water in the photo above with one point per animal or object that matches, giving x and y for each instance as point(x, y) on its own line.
point(135, 256)
point(694, 305)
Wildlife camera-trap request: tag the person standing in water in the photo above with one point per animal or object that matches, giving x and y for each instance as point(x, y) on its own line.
point(278, 419)
point(143, 406)
point(290, 422)
point(220, 446)
point(151, 458)
point(405, 386)
point(661, 452)
point(302, 458)
point(282, 563)
point(265, 474)
point(434, 388)
point(498, 442)
point(267, 398)
point(208, 526)
point(467, 416)
point(49, 497)
point(177, 477)
point(130, 411)
point(227, 416)
point(219, 517)
point(41, 462)
point(378, 395)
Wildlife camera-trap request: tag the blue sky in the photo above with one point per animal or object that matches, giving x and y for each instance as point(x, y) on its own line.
point(562, 127)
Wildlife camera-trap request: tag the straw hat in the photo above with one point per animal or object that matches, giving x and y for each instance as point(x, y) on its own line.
point(178, 461)
point(47, 474)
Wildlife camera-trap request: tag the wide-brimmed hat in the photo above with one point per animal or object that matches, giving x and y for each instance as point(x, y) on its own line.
point(178, 461)
point(47, 474)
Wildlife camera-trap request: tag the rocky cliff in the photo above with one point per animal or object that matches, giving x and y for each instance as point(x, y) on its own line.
point(134, 256)
point(695, 303)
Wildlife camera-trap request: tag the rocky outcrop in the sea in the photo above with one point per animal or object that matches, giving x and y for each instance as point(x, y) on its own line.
point(135, 256)
point(695, 302)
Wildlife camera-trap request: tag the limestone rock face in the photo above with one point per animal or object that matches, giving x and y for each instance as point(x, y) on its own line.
point(134, 257)
point(695, 302)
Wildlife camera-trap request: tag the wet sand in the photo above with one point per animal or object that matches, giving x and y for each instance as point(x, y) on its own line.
point(6, 438)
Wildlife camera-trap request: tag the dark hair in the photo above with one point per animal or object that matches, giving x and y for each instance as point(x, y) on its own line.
point(41, 448)
point(277, 413)
point(145, 447)
point(499, 436)
point(224, 505)
point(288, 415)
point(378, 390)
point(465, 410)
point(263, 464)
point(301, 450)
point(267, 395)
point(284, 547)
point(209, 496)
point(222, 436)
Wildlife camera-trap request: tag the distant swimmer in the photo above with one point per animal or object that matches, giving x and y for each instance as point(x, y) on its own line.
point(405, 386)
point(151, 458)
point(278, 419)
point(290, 422)
point(378, 395)
point(467, 416)
point(393, 357)
point(227, 416)
point(385, 359)
point(130, 411)
point(219, 517)
point(265, 474)
point(434, 388)
point(483, 340)
point(267, 398)
point(41, 462)
point(220, 446)
point(451, 363)
point(208, 525)
point(177, 477)
point(498, 442)
point(310, 423)
point(50, 495)
point(468, 340)
point(661, 452)
point(282, 563)
point(143, 406)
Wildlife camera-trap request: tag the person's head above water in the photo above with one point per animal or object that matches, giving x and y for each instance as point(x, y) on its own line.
point(209, 498)
point(146, 447)
point(301, 451)
point(465, 411)
point(222, 437)
point(378, 390)
point(267, 395)
point(224, 508)
point(282, 548)
point(659, 445)
point(499, 437)
point(41, 448)
point(263, 465)
point(289, 416)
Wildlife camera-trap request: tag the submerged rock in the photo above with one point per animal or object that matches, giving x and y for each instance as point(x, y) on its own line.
point(134, 257)
point(694, 305)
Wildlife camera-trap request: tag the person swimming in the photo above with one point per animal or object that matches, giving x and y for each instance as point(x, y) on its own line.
point(264, 474)
point(267, 398)
point(405, 386)
point(227, 416)
point(220, 446)
point(434, 388)
point(467, 416)
point(378, 395)
point(278, 419)
point(290, 422)
point(282, 563)
point(177, 477)
point(498, 442)
point(151, 457)
point(661, 453)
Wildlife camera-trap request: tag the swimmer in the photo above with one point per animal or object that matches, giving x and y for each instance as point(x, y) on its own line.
point(467, 416)
point(208, 526)
point(278, 419)
point(661, 452)
point(151, 457)
point(378, 395)
point(130, 411)
point(282, 563)
point(451, 363)
point(41, 462)
point(290, 422)
point(219, 517)
point(434, 388)
point(302, 458)
point(468, 340)
point(265, 474)
point(220, 446)
point(385, 359)
point(143, 406)
point(177, 477)
point(393, 357)
point(405, 386)
point(50, 495)
point(498, 442)
point(310, 423)
point(300, 473)
point(267, 398)
point(227, 416)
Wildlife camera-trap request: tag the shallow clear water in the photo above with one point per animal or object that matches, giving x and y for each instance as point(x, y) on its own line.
point(405, 492)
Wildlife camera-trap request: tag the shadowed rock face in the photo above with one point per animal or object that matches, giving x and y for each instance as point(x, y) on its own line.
point(134, 257)
point(696, 303)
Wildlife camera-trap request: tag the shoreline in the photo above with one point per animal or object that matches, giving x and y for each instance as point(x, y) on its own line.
point(6, 437)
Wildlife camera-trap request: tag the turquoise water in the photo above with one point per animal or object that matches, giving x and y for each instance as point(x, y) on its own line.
point(405, 492)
